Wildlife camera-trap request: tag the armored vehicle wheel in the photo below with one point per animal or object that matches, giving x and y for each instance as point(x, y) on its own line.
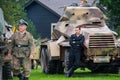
point(67, 66)
point(93, 67)
point(108, 69)
point(50, 66)
point(96, 68)
point(113, 69)
point(55, 66)
point(60, 67)
point(103, 69)
point(43, 60)
point(7, 71)
point(47, 65)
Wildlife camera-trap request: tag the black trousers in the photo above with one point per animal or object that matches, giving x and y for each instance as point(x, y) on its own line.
point(73, 61)
point(74, 58)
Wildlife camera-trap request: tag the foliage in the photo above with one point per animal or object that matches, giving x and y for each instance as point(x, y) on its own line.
point(14, 11)
point(113, 12)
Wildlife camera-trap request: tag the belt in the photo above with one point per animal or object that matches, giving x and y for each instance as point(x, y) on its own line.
point(77, 45)
point(21, 45)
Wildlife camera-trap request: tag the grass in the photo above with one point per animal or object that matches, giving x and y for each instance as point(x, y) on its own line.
point(78, 75)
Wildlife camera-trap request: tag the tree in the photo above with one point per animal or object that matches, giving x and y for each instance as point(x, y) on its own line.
point(113, 12)
point(14, 11)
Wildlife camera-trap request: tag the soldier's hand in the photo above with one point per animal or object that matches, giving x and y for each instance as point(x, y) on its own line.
point(31, 56)
point(8, 57)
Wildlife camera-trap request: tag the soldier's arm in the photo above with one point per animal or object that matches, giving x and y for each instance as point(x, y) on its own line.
point(71, 41)
point(31, 43)
point(81, 42)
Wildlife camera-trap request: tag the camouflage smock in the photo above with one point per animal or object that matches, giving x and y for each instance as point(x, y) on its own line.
point(22, 39)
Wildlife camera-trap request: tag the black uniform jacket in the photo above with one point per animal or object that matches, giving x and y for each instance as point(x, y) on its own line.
point(76, 42)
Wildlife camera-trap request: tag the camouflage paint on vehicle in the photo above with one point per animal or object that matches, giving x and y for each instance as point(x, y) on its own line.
point(101, 46)
point(5, 66)
point(99, 39)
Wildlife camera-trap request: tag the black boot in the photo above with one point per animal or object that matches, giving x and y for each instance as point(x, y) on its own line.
point(20, 76)
point(25, 78)
point(69, 73)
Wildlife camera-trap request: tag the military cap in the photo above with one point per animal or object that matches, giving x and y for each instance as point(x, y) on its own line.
point(84, 1)
point(23, 22)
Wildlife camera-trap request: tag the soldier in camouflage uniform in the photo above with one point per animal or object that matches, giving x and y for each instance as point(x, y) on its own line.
point(84, 3)
point(22, 51)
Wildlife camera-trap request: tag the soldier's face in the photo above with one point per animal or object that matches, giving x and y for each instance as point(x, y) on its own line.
point(77, 30)
point(22, 28)
point(82, 2)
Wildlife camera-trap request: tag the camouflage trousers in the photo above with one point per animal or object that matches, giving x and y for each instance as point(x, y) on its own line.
point(21, 65)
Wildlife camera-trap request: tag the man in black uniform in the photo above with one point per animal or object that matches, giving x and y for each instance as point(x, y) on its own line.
point(76, 42)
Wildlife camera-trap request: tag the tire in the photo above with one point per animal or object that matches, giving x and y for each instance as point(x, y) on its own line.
point(110, 69)
point(43, 60)
point(60, 67)
point(7, 71)
point(47, 65)
point(55, 66)
point(67, 65)
point(105, 69)
point(51, 67)
point(97, 68)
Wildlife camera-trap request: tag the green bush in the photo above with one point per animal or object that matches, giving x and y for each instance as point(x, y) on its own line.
point(113, 9)
point(14, 11)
